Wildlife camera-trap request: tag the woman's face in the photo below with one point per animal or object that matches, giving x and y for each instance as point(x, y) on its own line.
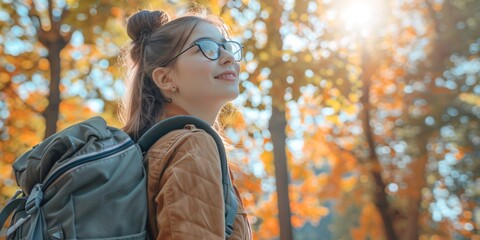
point(201, 80)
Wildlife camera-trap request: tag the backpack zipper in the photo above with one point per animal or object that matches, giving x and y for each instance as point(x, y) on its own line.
point(84, 159)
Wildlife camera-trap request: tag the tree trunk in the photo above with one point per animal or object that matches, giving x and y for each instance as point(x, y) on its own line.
point(416, 182)
point(380, 196)
point(413, 214)
point(54, 41)
point(277, 125)
point(278, 120)
point(52, 111)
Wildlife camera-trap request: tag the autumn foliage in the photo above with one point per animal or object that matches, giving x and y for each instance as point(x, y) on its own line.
point(373, 107)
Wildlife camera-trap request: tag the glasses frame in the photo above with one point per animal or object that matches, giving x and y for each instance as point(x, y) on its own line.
point(197, 43)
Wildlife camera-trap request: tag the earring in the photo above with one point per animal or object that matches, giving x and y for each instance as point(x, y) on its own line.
point(174, 89)
point(168, 100)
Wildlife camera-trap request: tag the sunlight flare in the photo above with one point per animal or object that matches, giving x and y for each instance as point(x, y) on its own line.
point(359, 15)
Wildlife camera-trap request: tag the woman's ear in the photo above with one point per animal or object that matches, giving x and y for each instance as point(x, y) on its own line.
point(162, 79)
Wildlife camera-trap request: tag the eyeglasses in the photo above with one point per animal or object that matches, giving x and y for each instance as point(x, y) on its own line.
point(211, 49)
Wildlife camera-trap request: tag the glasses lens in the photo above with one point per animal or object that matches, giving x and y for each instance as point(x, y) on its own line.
point(209, 49)
point(235, 49)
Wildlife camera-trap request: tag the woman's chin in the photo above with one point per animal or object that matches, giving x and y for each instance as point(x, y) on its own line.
point(233, 96)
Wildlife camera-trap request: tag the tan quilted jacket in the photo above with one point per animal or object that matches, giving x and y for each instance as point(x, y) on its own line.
point(187, 202)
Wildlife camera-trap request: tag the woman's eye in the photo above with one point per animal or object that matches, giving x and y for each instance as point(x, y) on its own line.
point(210, 53)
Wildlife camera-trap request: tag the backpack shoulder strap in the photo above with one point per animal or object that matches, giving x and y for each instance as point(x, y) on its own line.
point(179, 122)
point(11, 206)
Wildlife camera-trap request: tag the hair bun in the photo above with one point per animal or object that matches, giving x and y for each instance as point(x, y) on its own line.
point(145, 23)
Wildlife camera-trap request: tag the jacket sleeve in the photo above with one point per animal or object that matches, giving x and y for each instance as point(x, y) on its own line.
point(190, 204)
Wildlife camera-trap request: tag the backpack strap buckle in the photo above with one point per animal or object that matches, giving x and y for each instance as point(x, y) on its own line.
point(34, 199)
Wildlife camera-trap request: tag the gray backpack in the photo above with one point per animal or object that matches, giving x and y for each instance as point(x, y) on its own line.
point(89, 182)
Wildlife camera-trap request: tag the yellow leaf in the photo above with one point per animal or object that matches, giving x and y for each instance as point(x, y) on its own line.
point(9, 190)
point(304, 17)
point(27, 64)
point(5, 171)
point(116, 12)
point(4, 77)
point(267, 159)
point(308, 58)
point(334, 119)
point(297, 222)
point(264, 56)
point(293, 15)
point(43, 64)
point(354, 97)
point(333, 104)
point(347, 184)
point(351, 109)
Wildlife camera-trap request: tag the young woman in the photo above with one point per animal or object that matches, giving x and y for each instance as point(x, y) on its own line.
point(184, 66)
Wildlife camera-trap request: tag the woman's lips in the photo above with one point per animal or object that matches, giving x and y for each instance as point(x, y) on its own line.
point(228, 75)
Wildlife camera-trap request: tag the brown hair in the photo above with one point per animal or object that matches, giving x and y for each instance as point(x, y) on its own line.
point(155, 40)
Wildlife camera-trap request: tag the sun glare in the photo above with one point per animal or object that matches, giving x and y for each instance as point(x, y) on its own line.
point(359, 15)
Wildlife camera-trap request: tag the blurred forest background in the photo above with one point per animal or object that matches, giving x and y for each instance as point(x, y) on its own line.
point(358, 119)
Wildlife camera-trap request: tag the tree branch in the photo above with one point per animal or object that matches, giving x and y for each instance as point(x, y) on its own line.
point(50, 12)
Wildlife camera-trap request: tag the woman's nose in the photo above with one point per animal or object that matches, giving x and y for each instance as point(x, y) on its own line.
point(226, 57)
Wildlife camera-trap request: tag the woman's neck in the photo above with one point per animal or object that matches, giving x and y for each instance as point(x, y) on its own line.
point(208, 115)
